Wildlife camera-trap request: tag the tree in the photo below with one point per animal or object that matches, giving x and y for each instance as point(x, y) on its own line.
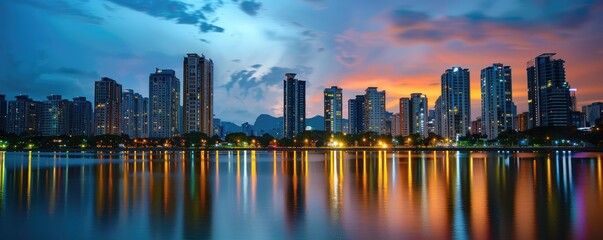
point(195, 139)
point(237, 138)
point(265, 139)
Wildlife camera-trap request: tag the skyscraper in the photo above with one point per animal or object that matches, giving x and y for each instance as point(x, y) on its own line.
point(22, 116)
point(404, 116)
point(573, 99)
point(333, 112)
point(133, 114)
point(356, 114)
point(107, 107)
point(80, 117)
point(520, 122)
point(294, 99)
point(418, 114)
point(54, 116)
point(145, 118)
point(549, 102)
point(164, 91)
point(592, 113)
point(455, 103)
point(198, 94)
point(497, 100)
point(396, 124)
point(438, 117)
point(374, 111)
point(3, 112)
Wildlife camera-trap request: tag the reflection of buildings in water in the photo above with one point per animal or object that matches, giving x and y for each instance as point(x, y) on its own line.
point(422, 195)
point(335, 174)
point(294, 168)
point(162, 195)
point(106, 194)
point(197, 197)
point(246, 181)
point(556, 206)
point(2, 181)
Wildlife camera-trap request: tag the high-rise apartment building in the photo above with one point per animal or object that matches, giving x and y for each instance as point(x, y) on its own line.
point(438, 117)
point(134, 111)
point(592, 112)
point(374, 111)
point(476, 127)
point(396, 124)
point(549, 102)
point(333, 109)
point(22, 116)
point(198, 94)
point(573, 99)
point(294, 100)
point(455, 103)
point(356, 114)
point(405, 116)
point(418, 114)
point(107, 107)
point(497, 104)
point(164, 91)
point(145, 118)
point(80, 117)
point(521, 122)
point(53, 115)
point(3, 112)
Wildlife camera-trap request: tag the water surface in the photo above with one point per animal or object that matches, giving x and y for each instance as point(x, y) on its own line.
point(300, 195)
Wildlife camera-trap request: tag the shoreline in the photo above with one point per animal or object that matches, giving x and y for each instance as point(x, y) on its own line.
point(464, 149)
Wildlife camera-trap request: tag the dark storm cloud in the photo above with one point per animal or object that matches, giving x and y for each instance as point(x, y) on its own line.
point(63, 8)
point(555, 23)
point(246, 82)
point(175, 10)
point(250, 7)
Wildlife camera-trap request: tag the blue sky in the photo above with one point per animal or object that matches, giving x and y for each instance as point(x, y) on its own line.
point(63, 46)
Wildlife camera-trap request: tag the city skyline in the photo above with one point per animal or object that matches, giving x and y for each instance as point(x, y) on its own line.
point(402, 48)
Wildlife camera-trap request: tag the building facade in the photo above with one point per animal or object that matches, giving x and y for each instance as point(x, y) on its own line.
point(107, 107)
point(3, 112)
point(80, 117)
point(294, 100)
point(592, 112)
point(455, 103)
point(418, 114)
point(22, 116)
point(198, 95)
point(521, 122)
point(438, 116)
point(374, 111)
point(356, 115)
point(53, 115)
point(396, 124)
point(549, 102)
point(573, 99)
point(333, 109)
point(405, 116)
point(476, 127)
point(164, 97)
point(497, 104)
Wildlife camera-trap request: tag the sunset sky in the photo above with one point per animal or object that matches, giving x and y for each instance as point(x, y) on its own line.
point(63, 46)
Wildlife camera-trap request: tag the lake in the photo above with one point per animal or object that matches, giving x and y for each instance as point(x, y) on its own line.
point(301, 195)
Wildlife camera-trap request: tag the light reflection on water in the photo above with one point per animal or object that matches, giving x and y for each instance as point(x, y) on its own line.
point(301, 195)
